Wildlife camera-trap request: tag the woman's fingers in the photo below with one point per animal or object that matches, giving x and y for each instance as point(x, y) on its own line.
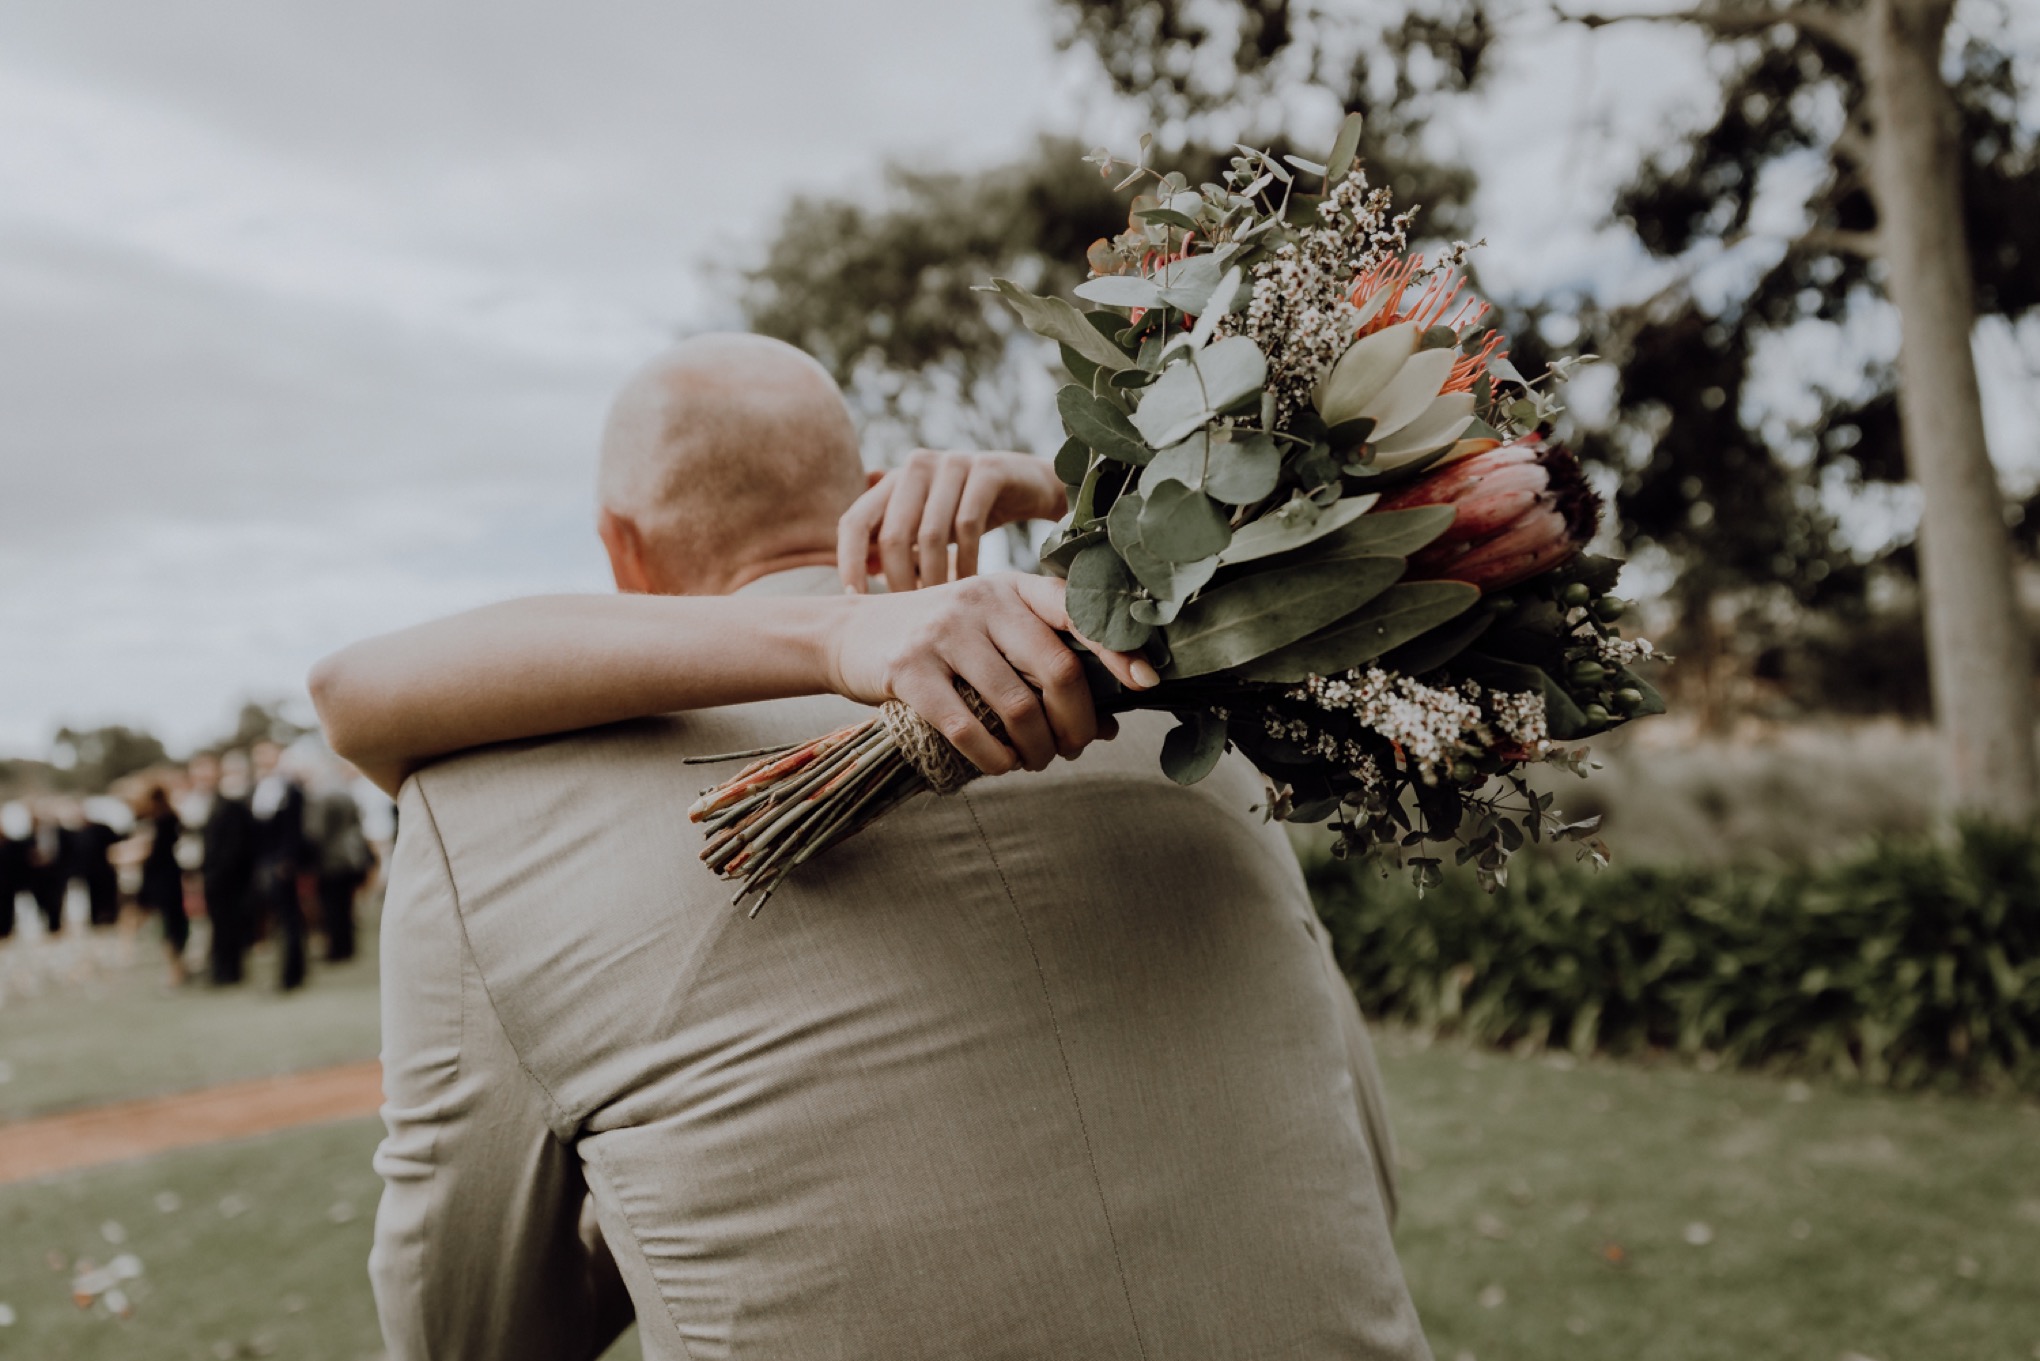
point(931, 693)
point(938, 519)
point(988, 671)
point(1044, 595)
point(974, 515)
point(899, 531)
point(854, 532)
point(1048, 664)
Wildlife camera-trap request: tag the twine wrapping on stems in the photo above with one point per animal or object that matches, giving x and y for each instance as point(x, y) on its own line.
point(944, 767)
point(793, 802)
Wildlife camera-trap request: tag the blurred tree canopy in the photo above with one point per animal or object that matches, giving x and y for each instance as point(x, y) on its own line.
point(1745, 505)
point(879, 287)
point(1736, 504)
point(90, 759)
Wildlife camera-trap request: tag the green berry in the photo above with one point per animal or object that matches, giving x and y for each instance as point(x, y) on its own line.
point(1596, 716)
point(1588, 673)
point(1501, 604)
point(1609, 608)
point(1628, 699)
point(1575, 595)
point(1464, 772)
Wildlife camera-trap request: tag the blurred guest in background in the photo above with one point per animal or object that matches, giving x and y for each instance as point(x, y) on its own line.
point(278, 804)
point(219, 797)
point(340, 857)
point(90, 835)
point(162, 887)
point(47, 874)
point(17, 830)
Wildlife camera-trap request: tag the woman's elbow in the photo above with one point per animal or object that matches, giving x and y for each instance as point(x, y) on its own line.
point(343, 719)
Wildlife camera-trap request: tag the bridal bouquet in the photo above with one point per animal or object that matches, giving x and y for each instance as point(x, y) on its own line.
point(1306, 482)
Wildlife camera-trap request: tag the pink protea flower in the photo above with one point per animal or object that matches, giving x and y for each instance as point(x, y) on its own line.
point(1523, 508)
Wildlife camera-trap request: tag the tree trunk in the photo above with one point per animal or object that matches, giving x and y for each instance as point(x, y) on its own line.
point(1979, 657)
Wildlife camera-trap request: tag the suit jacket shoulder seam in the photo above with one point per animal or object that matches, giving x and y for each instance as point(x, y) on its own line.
point(562, 1122)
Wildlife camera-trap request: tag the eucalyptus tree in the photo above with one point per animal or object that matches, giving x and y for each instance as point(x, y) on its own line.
point(1928, 197)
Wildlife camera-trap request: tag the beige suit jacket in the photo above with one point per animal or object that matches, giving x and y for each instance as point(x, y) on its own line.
point(1057, 1067)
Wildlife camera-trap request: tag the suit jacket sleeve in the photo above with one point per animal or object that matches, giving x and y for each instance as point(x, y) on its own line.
point(480, 1250)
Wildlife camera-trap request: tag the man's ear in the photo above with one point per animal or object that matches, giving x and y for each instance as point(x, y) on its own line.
point(626, 549)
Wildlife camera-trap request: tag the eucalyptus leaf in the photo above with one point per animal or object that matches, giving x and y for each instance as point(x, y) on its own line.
point(1168, 216)
point(1231, 625)
point(1182, 524)
point(1215, 307)
point(1193, 746)
point(1056, 558)
point(1056, 319)
point(1240, 472)
point(1191, 392)
point(1293, 526)
point(1099, 598)
point(1072, 461)
point(1170, 583)
point(1120, 290)
point(1394, 616)
point(1182, 462)
point(1080, 368)
point(1344, 149)
point(1122, 524)
point(1101, 425)
point(1187, 285)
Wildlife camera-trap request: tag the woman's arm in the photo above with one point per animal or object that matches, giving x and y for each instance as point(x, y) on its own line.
point(557, 663)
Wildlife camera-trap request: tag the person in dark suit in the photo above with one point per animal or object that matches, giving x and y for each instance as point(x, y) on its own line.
point(91, 862)
point(342, 859)
point(162, 890)
point(278, 804)
point(228, 862)
point(16, 827)
point(48, 871)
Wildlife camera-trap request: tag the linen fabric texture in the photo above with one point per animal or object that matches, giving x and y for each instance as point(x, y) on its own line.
point(1056, 1066)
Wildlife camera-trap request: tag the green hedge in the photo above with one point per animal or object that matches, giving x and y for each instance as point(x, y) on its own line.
point(1909, 963)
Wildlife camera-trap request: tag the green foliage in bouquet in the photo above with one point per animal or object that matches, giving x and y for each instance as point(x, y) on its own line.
point(1912, 963)
point(1306, 482)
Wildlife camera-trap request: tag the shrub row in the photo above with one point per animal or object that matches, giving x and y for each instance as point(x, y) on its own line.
point(1910, 963)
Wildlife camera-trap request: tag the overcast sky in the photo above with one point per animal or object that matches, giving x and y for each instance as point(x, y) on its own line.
point(309, 311)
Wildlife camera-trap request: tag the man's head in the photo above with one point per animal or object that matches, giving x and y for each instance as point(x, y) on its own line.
point(727, 457)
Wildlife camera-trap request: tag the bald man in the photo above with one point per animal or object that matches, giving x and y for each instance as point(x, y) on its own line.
point(1054, 1067)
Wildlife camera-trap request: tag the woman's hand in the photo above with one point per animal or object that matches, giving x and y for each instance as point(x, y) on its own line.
point(904, 526)
point(998, 633)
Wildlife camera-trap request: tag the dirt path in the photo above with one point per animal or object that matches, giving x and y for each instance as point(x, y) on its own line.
point(235, 1110)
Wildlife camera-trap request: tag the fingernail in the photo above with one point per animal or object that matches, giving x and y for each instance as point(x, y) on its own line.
point(1145, 676)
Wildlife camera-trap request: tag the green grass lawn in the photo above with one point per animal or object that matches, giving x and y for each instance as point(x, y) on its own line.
point(119, 1033)
point(1604, 1210)
point(1551, 1213)
point(248, 1249)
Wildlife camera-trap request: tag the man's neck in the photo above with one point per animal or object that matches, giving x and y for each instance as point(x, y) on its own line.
point(779, 562)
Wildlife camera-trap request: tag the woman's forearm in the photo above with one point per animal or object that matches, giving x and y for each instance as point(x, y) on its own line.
point(550, 664)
